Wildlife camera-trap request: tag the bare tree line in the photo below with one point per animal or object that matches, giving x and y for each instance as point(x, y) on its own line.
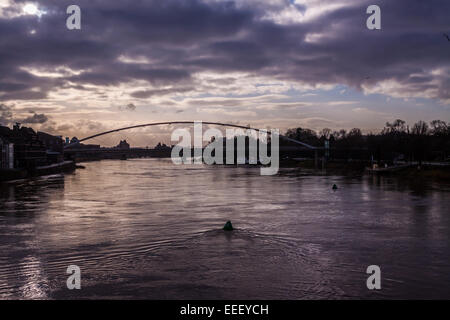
point(398, 140)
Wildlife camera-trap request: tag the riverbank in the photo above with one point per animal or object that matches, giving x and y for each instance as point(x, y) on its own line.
point(438, 172)
point(18, 174)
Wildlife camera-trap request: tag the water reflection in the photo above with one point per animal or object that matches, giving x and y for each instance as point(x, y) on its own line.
point(148, 229)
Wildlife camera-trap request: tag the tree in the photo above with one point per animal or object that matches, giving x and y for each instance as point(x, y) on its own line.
point(304, 135)
point(396, 127)
point(420, 147)
point(355, 138)
point(420, 128)
point(355, 132)
point(342, 134)
point(325, 133)
point(439, 127)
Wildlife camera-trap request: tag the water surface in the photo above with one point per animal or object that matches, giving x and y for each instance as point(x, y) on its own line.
point(147, 229)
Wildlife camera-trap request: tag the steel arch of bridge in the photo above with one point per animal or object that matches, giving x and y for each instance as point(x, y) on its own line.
point(189, 122)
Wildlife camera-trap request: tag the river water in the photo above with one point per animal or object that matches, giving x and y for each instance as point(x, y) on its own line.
point(147, 229)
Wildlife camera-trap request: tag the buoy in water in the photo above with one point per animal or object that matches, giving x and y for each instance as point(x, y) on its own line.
point(335, 187)
point(228, 226)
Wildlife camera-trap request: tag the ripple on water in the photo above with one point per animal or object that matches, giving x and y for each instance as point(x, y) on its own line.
point(149, 229)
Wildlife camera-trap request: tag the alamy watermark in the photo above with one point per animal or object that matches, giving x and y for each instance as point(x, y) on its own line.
point(247, 146)
point(374, 20)
point(73, 22)
point(74, 280)
point(374, 280)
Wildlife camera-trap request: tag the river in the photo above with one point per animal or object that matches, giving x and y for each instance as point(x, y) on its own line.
point(147, 229)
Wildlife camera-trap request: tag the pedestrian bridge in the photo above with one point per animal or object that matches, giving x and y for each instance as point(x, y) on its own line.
point(189, 122)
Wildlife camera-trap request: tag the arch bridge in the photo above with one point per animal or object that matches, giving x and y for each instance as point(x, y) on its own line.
point(191, 122)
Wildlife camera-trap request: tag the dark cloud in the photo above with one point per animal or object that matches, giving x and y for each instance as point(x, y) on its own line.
point(179, 38)
point(130, 107)
point(7, 116)
point(35, 119)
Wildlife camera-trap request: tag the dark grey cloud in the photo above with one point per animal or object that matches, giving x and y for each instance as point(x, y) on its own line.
point(130, 107)
point(180, 38)
point(35, 119)
point(7, 116)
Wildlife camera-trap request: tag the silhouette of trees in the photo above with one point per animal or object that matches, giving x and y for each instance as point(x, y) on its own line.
point(439, 127)
point(325, 133)
point(304, 135)
point(396, 127)
point(420, 128)
point(396, 141)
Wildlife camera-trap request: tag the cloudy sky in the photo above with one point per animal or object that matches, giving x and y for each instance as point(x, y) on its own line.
point(267, 63)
